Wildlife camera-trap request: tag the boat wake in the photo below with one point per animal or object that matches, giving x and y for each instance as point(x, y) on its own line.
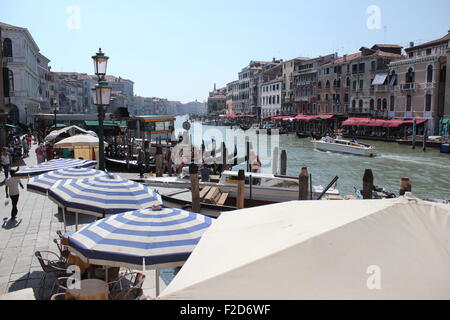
point(421, 161)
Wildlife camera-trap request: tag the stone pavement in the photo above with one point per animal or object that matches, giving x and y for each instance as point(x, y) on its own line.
point(34, 230)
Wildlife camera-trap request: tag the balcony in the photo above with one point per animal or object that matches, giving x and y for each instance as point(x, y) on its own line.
point(408, 86)
point(382, 88)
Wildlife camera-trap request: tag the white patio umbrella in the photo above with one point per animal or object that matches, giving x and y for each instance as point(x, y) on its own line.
point(82, 140)
point(367, 249)
point(143, 239)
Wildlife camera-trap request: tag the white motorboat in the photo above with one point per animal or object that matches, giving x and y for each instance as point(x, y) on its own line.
point(344, 146)
point(259, 187)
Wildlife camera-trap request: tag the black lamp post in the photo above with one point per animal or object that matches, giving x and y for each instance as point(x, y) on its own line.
point(102, 98)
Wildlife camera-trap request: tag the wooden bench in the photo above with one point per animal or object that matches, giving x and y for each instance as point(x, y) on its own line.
point(213, 195)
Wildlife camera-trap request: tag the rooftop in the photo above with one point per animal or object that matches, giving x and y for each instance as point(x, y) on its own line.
point(442, 40)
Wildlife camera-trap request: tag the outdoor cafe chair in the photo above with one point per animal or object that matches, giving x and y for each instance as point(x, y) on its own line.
point(64, 253)
point(55, 267)
point(127, 287)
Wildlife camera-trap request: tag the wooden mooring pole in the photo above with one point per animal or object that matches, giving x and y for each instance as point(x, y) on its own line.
point(193, 175)
point(367, 184)
point(240, 196)
point(303, 185)
point(283, 163)
point(405, 186)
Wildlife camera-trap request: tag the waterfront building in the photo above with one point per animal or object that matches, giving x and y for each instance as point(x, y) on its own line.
point(44, 83)
point(232, 96)
point(419, 83)
point(287, 94)
point(217, 100)
point(20, 74)
point(352, 85)
point(248, 89)
point(306, 85)
point(270, 87)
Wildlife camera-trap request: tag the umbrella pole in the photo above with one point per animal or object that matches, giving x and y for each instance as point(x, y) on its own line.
point(157, 282)
point(64, 218)
point(76, 222)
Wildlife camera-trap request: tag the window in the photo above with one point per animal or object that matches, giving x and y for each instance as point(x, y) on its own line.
point(392, 106)
point(354, 105)
point(328, 84)
point(278, 99)
point(361, 84)
point(372, 104)
point(354, 68)
point(346, 98)
point(379, 104)
point(348, 82)
point(408, 102)
point(354, 85)
point(319, 85)
point(374, 65)
point(362, 67)
point(428, 52)
point(411, 54)
point(361, 103)
point(393, 79)
point(430, 74)
point(7, 48)
point(428, 99)
point(384, 104)
point(410, 76)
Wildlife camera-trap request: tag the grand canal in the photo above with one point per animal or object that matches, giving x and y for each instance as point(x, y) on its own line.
point(429, 171)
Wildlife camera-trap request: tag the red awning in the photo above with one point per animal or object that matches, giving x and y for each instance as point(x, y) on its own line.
point(366, 122)
point(315, 117)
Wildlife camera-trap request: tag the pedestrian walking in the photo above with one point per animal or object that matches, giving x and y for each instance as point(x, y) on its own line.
point(40, 154)
point(25, 147)
point(12, 191)
point(6, 162)
point(141, 161)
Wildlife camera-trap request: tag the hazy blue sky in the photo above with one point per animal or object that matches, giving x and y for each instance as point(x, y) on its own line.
point(177, 49)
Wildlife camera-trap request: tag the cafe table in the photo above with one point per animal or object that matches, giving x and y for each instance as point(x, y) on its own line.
point(89, 289)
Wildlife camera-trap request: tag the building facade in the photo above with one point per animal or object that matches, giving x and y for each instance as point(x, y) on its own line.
point(20, 74)
point(270, 88)
point(419, 92)
point(217, 101)
point(306, 84)
point(355, 85)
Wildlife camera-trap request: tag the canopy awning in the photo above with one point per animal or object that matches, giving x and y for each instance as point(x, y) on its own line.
point(380, 79)
point(367, 122)
point(314, 117)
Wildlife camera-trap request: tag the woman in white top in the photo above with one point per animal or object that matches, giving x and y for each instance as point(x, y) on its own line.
point(6, 162)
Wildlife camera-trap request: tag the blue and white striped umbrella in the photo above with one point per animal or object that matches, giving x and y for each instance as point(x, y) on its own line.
point(153, 239)
point(52, 165)
point(102, 196)
point(42, 183)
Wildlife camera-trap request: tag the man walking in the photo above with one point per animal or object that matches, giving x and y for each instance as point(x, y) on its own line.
point(140, 161)
point(12, 191)
point(6, 161)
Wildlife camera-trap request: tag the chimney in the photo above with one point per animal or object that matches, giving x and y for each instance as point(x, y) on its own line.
point(411, 44)
point(345, 58)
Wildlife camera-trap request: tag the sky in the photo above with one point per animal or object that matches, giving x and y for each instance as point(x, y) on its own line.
point(178, 49)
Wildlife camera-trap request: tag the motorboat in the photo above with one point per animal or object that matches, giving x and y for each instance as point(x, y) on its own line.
point(260, 188)
point(344, 146)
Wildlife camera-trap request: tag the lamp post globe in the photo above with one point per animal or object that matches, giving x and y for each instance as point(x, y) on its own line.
point(100, 64)
point(101, 97)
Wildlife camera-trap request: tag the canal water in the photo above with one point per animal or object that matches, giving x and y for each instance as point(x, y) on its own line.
point(429, 171)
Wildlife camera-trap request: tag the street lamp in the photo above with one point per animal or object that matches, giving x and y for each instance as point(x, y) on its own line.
point(102, 97)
